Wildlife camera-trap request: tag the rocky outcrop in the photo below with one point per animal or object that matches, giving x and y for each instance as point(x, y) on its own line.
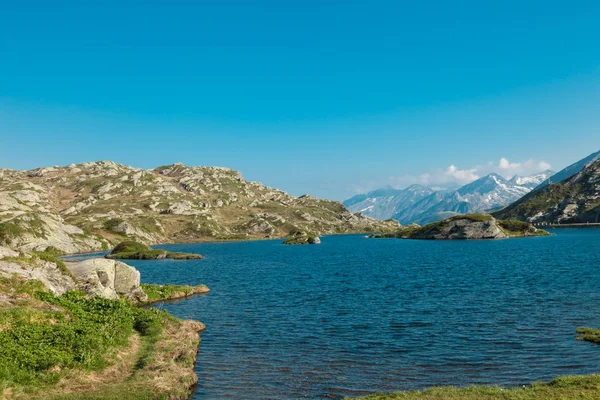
point(7, 252)
point(303, 238)
point(96, 277)
point(461, 228)
point(108, 278)
point(465, 227)
point(51, 276)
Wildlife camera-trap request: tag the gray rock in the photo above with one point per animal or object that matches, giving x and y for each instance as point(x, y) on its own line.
point(6, 252)
point(465, 229)
point(46, 272)
point(107, 278)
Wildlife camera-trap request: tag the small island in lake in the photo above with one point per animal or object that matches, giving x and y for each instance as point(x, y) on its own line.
point(466, 227)
point(131, 250)
point(302, 238)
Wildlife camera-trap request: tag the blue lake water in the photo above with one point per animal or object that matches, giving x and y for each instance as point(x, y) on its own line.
point(354, 316)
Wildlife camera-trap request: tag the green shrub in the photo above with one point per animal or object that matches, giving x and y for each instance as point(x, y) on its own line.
point(111, 224)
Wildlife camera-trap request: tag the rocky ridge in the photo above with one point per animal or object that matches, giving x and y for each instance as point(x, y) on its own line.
point(93, 205)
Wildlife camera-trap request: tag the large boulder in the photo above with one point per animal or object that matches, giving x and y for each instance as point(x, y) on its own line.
point(107, 278)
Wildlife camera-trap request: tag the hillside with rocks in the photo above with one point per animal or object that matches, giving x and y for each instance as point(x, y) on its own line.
point(574, 200)
point(94, 205)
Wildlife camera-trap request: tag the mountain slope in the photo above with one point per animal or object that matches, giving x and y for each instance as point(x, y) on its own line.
point(92, 205)
point(386, 202)
point(576, 199)
point(571, 170)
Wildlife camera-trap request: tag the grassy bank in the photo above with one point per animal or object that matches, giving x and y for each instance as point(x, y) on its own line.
point(73, 347)
point(158, 293)
point(563, 388)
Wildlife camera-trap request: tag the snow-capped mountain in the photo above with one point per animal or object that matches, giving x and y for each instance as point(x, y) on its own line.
point(532, 181)
point(386, 202)
point(421, 204)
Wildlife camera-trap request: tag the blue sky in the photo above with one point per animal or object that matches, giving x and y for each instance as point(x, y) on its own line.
point(321, 97)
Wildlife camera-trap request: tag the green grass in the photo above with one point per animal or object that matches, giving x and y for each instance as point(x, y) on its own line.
point(520, 228)
point(169, 292)
point(50, 334)
point(563, 388)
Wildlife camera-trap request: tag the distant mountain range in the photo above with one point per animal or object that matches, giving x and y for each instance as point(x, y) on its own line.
point(422, 205)
point(387, 202)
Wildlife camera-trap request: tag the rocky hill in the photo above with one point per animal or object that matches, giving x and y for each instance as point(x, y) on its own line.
point(89, 206)
point(574, 200)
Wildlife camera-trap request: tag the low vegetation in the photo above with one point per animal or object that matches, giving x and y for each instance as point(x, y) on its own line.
point(74, 347)
point(519, 228)
point(588, 335)
point(158, 293)
point(131, 250)
point(563, 388)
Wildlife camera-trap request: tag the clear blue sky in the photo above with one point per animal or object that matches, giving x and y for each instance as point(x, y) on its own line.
point(323, 97)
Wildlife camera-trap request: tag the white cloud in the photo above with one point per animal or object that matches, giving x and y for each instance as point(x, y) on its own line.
point(454, 176)
point(509, 169)
point(461, 175)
